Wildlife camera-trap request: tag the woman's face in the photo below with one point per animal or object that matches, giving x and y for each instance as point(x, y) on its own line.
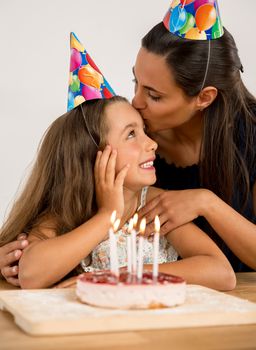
point(161, 103)
point(126, 134)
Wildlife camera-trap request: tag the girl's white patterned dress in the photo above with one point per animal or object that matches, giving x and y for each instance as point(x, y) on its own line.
point(100, 255)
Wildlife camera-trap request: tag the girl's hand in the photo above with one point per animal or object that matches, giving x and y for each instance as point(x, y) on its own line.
point(108, 185)
point(174, 208)
point(10, 254)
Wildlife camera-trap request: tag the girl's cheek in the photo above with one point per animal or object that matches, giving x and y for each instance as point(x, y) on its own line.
point(118, 164)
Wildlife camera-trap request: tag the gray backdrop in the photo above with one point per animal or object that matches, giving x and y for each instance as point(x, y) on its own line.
point(34, 63)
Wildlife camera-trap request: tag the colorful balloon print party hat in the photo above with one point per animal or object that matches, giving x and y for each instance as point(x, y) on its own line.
point(86, 82)
point(194, 19)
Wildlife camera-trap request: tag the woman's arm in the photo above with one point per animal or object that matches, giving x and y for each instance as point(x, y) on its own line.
point(202, 261)
point(10, 254)
point(177, 208)
point(235, 230)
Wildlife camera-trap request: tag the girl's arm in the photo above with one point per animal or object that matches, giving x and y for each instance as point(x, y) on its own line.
point(202, 261)
point(44, 262)
point(177, 208)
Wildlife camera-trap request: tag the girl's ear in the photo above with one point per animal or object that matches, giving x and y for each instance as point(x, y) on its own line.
point(206, 96)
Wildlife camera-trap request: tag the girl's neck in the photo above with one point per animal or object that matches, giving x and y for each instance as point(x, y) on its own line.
point(132, 201)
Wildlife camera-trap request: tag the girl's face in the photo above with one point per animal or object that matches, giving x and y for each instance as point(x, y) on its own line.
point(161, 103)
point(126, 134)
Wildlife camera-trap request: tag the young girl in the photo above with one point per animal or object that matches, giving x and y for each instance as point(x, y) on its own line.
point(92, 161)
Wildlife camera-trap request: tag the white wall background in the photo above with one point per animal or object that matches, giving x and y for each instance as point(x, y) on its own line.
point(34, 63)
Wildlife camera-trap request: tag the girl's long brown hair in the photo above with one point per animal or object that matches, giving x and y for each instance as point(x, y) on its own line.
point(228, 137)
point(60, 189)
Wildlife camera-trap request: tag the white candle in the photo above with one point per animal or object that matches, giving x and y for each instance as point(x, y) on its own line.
point(113, 246)
point(116, 262)
point(112, 249)
point(129, 247)
point(156, 248)
point(140, 250)
point(134, 244)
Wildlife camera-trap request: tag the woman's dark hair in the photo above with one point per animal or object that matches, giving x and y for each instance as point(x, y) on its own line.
point(59, 193)
point(225, 159)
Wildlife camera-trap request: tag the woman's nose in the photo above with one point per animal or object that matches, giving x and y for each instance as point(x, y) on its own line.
point(138, 101)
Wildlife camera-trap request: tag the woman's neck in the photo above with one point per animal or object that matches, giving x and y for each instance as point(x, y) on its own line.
point(190, 133)
point(181, 145)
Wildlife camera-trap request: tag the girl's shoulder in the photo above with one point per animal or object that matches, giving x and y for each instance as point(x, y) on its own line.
point(45, 228)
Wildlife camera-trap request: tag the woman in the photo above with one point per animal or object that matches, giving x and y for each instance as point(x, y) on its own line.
point(203, 118)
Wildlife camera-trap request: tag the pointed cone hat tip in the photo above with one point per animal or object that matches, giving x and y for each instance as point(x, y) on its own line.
point(86, 82)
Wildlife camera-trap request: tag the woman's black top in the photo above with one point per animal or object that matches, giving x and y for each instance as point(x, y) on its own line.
point(171, 177)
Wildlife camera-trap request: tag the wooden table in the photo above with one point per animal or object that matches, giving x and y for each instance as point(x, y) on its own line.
point(205, 338)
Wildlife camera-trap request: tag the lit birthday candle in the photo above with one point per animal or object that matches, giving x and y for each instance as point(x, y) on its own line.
point(129, 247)
point(140, 249)
point(113, 247)
point(156, 248)
point(116, 262)
point(134, 245)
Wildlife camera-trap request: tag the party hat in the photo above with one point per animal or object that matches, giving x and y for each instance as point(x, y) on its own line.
point(86, 82)
point(194, 19)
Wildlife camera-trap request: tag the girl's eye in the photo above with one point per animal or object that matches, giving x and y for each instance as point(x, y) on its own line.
point(131, 134)
point(154, 98)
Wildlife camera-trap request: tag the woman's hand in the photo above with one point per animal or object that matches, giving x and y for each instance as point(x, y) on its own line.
point(174, 208)
point(10, 254)
point(108, 185)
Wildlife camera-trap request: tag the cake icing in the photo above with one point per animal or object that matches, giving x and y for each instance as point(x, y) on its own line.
point(103, 289)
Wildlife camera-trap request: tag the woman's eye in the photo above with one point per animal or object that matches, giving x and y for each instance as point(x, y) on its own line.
point(131, 134)
point(154, 98)
point(134, 81)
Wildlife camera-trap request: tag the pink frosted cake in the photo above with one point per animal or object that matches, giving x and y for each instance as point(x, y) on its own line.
point(104, 290)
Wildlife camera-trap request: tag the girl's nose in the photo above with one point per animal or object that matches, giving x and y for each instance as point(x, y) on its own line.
point(152, 145)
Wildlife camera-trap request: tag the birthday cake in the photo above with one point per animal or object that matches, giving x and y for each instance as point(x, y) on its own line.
point(103, 289)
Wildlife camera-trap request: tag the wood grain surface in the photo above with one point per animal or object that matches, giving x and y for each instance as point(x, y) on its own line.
point(58, 311)
point(239, 337)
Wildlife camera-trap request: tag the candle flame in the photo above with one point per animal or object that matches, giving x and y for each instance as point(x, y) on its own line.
point(142, 226)
point(130, 226)
point(116, 225)
point(157, 223)
point(113, 218)
point(135, 220)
